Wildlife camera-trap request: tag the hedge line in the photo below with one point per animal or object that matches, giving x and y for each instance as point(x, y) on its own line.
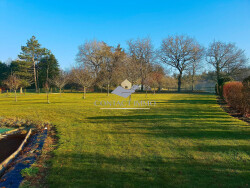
point(237, 95)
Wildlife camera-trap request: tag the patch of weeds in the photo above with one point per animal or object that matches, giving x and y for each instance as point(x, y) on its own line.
point(25, 184)
point(32, 171)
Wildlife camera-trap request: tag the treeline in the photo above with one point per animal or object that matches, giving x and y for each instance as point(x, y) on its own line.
point(100, 65)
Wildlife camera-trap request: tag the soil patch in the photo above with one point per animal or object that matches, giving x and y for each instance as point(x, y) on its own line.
point(232, 112)
point(9, 145)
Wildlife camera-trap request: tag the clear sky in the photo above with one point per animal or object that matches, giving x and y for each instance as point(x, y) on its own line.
point(62, 26)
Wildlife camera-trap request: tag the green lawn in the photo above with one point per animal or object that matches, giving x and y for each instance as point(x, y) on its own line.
point(186, 140)
point(2, 130)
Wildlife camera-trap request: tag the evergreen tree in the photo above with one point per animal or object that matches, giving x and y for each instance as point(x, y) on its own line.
point(33, 52)
point(23, 70)
point(48, 69)
point(4, 72)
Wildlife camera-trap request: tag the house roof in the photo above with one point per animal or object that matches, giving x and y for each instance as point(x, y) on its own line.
point(126, 81)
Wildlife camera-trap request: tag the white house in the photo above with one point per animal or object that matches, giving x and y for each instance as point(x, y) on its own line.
point(126, 84)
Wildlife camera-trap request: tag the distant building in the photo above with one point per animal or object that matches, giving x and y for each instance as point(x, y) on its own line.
point(126, 84)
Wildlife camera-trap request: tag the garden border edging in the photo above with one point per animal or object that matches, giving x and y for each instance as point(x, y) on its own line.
point(7, 161)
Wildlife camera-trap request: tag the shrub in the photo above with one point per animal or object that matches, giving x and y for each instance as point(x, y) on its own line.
point(246, 96)
point(32, 171)
point(236, 96)
point(219, 85)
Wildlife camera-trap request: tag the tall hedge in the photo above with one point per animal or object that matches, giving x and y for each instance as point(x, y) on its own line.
point(246, 95)
point(236, 94)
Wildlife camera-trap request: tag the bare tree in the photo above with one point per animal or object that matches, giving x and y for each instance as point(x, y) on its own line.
point(13, 83)
point(83, 77)
point(90, 56)
point(198, 54)
point(107, 66)
point(226, 58)
point(130, 70)
point(61, 80)
point(142, 53)
point(178, 52)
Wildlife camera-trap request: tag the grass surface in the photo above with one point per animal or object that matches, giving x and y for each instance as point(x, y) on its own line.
point(186, 140)
point(3, 129)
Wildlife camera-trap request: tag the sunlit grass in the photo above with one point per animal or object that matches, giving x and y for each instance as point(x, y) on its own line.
point(184, 140)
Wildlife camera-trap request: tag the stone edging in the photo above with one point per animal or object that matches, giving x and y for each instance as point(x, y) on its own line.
point(7, 161)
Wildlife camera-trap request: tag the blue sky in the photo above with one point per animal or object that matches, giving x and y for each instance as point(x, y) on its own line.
point(62, 26)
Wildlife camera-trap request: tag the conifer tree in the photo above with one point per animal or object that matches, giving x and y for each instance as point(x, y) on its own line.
point(33, 52)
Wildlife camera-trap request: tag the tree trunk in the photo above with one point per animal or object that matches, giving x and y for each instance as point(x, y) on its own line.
point(60, 91)
point(179, 82)
point(218, 78)
point(34, 64)
point(142, 87)
point(48, 97)
point(192, 83)
point(21, 90)
point(108, 90)
point(84, 92)
point(37, 79)
point(218, 73)
point(15, 96)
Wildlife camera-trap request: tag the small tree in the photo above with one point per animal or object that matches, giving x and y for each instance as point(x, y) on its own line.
point(141, 52)
point(13, 83)
point(83, 77)
point(198, 53)
point(23, 70)
point(46, 87)
point(155, 80)
point(61, 80)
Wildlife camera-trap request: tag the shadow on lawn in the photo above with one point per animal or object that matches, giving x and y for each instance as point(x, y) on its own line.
point(169, 132)
point(97, 170)
point(189, 101)
point(193, 123)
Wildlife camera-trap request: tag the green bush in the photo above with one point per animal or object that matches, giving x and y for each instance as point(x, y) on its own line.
point(219, 85)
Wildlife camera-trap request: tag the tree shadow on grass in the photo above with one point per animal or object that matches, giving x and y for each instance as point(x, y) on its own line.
point(179, 123)
point(98, 170)
point(234, 149)
point(187, 102)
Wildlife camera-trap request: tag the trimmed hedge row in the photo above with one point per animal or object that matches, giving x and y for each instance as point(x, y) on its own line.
point(237, 95)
